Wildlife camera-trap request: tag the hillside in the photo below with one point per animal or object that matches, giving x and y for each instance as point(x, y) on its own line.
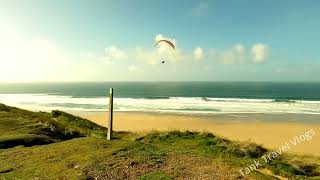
point(58, 145)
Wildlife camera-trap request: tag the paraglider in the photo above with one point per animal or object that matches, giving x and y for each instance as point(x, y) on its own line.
point(165, 41)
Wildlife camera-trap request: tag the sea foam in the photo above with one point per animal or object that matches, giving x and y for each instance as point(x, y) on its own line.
point(46, 102)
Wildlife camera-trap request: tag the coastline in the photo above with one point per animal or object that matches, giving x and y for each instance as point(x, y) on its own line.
point(269, 130)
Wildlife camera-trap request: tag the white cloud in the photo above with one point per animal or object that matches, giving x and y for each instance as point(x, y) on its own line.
point(259, 53)
point(239, 49)
point(134, 68)
point(149, 57)
point(229, 57)
point(238, 54)
point(111, 54)
point(235, 55)
point(201, 9)
point(198, 53)
point(114, 53)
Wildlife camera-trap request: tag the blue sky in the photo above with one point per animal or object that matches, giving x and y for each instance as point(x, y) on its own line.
point(79, 40)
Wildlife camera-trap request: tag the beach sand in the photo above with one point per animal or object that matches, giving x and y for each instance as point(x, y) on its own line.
point(270, 130)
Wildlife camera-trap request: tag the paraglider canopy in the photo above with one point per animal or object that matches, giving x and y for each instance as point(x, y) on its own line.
point(165, 41)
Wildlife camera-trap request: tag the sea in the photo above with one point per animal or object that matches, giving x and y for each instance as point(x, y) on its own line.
point(167, 97)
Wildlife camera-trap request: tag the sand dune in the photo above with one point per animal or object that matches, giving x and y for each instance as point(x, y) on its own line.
point(271, 131)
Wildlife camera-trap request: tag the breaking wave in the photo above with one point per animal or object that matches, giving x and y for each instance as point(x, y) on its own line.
point(46, 102)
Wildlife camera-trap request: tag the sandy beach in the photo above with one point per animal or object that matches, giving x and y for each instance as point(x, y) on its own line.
point(269, 130)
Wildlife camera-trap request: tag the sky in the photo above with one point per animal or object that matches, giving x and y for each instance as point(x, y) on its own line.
point(113, 40)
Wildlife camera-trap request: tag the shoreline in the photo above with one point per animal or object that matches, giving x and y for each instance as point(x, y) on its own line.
point(269, 130)
point(223, 117)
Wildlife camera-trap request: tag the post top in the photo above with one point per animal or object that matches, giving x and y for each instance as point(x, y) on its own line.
point(111, 90)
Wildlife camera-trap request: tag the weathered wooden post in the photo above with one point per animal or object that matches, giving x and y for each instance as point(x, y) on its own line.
point(110, 114)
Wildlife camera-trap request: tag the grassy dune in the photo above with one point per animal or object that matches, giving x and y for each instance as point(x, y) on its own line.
point(58, 145)
point(21, 127)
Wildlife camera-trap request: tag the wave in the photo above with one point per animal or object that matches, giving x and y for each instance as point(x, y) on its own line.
point(284, 100)
point(46, 102)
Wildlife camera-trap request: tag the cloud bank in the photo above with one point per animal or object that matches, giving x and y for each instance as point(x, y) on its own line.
point(161, 52)
point(260, 53)
point(198, 53)
point(236, 54)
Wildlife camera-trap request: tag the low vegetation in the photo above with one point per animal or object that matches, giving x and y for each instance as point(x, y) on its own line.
point(58, 145)
point(21, 127)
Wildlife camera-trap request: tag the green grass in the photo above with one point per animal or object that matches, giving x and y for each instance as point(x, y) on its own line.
point(8, 141)
point(58, 145)
point(155, 176)
point(21, 127)
point(78, 124)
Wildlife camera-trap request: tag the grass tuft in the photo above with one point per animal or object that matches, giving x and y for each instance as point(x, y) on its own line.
point(155, 176)
point(83, 126)
point(248, 149)
point(21, 127)
point(27, 140)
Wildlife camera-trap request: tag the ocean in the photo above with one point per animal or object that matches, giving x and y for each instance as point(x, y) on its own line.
point(168, 97)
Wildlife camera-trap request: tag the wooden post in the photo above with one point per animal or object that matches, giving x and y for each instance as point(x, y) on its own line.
point(110, 114)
